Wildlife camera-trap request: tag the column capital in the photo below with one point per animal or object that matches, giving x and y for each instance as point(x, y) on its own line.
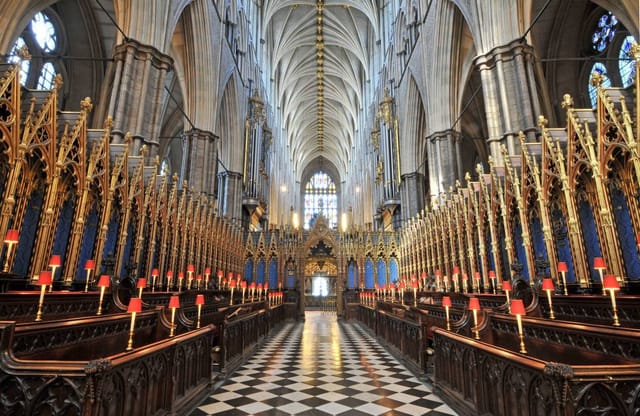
point(142, 52)
point(517, 47)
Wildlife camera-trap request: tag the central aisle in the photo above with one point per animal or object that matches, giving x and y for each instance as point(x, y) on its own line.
point(323, 367)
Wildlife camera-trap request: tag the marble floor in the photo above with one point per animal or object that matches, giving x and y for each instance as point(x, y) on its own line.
point(322, 367)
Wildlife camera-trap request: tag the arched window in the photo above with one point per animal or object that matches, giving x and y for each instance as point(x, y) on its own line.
point(320, 199)
point(604, 33)
point(43, 42)
point(626, 64)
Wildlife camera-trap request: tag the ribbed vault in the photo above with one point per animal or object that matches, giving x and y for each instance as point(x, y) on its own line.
point(348, 32)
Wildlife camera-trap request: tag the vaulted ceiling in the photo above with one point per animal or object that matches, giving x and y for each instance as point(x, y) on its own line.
point(320, 52)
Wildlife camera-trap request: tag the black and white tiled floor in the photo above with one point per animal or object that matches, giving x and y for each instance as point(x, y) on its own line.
point(323, 367)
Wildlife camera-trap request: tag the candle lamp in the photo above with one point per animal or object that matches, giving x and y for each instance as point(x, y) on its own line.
point(423, 279)
point(437, 273)
point(11, 239)
point(476, 280)
point(54, 263)
point(180, 280)
point(238, 278)
point(401, 292)
point(446, 302)
point(455, 283)
point(465, 283)
point(243, 286)
point(415, 292)
point(563, 269)
point(232, 285)
point(198, 281)
point(103, 284)
point(492, 277)
point(89, 266)
point(142, 283)
point(43, 280)
point(220, 274)
point(611, 284)
point(547, 286)
point(445, 280)
point(135, 307)
point(252, 291)
point(266, 289)
point(174, 303)
point(517, 309)
point(207, 273)
point(229, 279)
point(169, 278)
point(190, 270)
point(506, 286)
point(199, 303)
point(259, 289)
point(600, 266)
point(474, 306)
point(154, 275)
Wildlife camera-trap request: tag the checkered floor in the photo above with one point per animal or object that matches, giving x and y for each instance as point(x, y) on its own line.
point(322, 367)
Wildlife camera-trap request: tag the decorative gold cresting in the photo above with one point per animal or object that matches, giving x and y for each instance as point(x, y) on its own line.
point(320, 70)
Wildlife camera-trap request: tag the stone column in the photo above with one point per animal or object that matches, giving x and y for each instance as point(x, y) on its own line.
point(201, 160)
point(510, 95)
point(230, 194)
point(443, 159)
point(412, 194)
point(137, 94)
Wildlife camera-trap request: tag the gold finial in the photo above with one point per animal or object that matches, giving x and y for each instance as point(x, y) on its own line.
point(635, 51)
point(143, 150)
point(108, 123)
point(522, 138)
point(542, 122)
point(175, 177)
point(128, 137)
point(86, 104)
point(57, 81)
point(467, 176)
point(596, 78)
point(156, 161)
point(567, 101)
point(23, 53)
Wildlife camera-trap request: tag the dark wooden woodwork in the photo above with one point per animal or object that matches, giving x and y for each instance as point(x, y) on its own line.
point(22, 306)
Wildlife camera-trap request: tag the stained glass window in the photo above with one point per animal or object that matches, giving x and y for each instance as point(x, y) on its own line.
point(626, 64)
point(320, 199)
point(606, 82)
point(605, 31)
point(41, 39)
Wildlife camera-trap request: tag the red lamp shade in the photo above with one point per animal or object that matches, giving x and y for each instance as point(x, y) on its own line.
point(266, 286)
point(200, 300)
point(199, 277)
point(45, 278)
point(259, 286)
point(456, 270)
point(252, 285)
point(243, 284)
point(377, 286)
point(598, 263)
point(401, 286)
point(174, 301)
point(191, 268)
point(90, 265)
point(232, 283)
point(474, 304)
point(230, 275)
point(224, 282)
point(610, 282)
point(517, 307)
point(104, 281)
point(562, 267)
point(155, 272)
point(238, 276)
point(207, 270)
point(547, 284)
point(437, 272)
point(476, 275)
point(492, 274)
point(170, 273)
point(55, 261)
point(506, 285)
point(180, 275)
point(446, 301)
point(465, 277)
point(423, 275)
point(414, 284)
point(220, 274)
point(11, 237)
point(142, 283)
point(135, 305)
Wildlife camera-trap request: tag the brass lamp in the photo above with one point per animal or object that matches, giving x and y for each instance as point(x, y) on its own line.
point(492, 277)
point(103, 283)
point(89, 266)
point(547, 286)
point(474, 306)
point(232, 285)
point(517, 309)
point(600, 266)
point(506, 286)
point(563, 269)
point(174, 303)
point(154, 276)
point(135, 306)
point(180, 280)
point(54, 263)
point(220, 274)
point(199, 303)
point(190, 270)
point(43, 281)
point(611, 284)
point(169, 278)
point(142, 283)
point(207, 273)
point(11, 239)
point(446, 302)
